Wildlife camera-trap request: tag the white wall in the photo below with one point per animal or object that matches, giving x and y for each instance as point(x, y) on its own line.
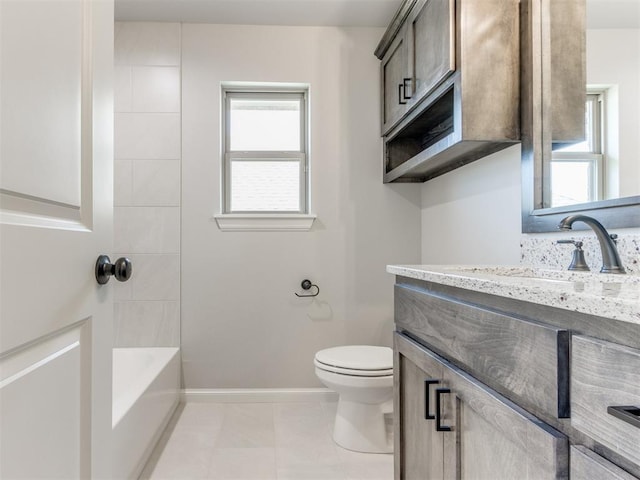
point(147, 183)
point(472, 215)
point(242, 326)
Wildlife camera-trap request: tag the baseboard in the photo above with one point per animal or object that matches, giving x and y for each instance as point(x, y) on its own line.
point(258, 395)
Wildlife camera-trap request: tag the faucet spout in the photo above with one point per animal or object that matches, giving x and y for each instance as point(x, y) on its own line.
point(611, 262)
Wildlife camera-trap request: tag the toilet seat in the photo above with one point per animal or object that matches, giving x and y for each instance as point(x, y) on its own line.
point(356, 360)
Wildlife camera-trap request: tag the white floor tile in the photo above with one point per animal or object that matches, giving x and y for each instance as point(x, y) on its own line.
point(243, 464)
point(202, 417)
point(263, 441)
point(187, 455)
point(247, 425)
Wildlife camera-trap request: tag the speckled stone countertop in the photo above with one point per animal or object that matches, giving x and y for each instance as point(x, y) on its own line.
point(604, 295)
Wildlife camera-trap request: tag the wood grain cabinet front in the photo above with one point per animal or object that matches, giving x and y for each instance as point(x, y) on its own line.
point(605, 394)
point(447, 66)
point(588, 465)
point(516, 383)
point(475, 433)
point(497, 348)
point(395, 81)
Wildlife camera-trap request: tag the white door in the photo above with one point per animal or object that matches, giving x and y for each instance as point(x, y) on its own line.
point(56, 130)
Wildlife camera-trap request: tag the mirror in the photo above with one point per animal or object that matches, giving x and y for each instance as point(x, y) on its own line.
point(581, 148)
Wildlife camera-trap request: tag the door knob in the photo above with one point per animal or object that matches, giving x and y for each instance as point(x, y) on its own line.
point(121, 269)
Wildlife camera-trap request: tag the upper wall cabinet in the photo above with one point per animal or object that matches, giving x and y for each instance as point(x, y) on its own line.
point(449, 85)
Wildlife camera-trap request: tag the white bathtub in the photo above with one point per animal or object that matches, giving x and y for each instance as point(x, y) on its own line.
point(146, 389)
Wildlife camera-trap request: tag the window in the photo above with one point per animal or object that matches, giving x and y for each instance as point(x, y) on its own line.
point(265, 166)
point(577, 169)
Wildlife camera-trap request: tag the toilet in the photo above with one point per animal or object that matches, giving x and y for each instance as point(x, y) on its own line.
point(362, 375)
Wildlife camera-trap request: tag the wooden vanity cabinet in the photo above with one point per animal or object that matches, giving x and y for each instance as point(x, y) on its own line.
point(420, 57)
point(476, 433)
point(449, 85)
point(528, 389)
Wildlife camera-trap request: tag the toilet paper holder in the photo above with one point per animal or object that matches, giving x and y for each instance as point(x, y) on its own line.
point(307, 285)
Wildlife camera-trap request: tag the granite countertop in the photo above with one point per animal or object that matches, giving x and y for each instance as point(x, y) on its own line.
point(604, 295)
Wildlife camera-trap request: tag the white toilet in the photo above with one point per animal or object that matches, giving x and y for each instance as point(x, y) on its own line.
point(362, 376)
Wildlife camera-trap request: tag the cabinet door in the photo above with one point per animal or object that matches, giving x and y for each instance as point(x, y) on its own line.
point(492, 438)
point(419, 447)
point(431, 45)
point(477, 433)
point(394, 79)
point(588, 465)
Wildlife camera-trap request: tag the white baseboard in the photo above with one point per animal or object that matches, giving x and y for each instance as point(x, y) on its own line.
point(258, 395)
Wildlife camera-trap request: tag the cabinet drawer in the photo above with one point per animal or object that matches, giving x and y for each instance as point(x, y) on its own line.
point(524, 360)
point(605, 375)
point(588, 465)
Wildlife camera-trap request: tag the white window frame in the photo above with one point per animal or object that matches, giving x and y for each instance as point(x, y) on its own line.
point(596, 156)
point(263, 219)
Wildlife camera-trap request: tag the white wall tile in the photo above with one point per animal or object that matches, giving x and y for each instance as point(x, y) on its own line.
point(122, 89)
point(123, 183)
point(147, 229)
point(156, 182)
point(147, 135)
point(147, 174)
point(145, 324)
point(122, 290)
point(147, 43)
point(156, 277)
point(156, 89)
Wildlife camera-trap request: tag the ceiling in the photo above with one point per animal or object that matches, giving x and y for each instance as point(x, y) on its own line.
point(345, 13)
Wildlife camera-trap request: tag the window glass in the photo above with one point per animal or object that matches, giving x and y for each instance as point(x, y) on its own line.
point(258, 125)
point(576, 170)
point(265, 186)
point(570, 182)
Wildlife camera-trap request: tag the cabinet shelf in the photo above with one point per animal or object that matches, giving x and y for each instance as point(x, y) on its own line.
point(430, 142)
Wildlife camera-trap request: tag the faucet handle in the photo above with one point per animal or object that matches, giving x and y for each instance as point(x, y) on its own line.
point(577, 243)
point(578, 263)
point(614, 237)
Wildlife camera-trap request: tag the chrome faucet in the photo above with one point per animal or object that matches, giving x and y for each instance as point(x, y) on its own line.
point(610, 259)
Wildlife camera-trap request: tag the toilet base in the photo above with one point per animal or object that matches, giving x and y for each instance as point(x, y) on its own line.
point(361, 427)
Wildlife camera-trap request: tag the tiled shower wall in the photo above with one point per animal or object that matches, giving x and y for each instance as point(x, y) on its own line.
point(147, 183)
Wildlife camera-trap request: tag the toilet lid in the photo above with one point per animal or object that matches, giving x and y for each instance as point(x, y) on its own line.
point(358, 358)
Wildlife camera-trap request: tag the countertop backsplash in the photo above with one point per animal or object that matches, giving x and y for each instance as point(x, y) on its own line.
point(543, 251)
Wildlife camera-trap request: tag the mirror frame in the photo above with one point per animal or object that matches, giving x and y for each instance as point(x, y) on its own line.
point(536, 134)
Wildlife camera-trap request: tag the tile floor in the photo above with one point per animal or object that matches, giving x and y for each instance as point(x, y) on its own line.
point(259, 441)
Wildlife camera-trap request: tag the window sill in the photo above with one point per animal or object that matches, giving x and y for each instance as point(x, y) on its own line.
point(266, 222)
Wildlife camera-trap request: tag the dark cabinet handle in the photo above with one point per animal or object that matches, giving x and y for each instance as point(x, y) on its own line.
point(401, 96)
point(404, 88)
point(439, 426)
point(427, 409)
point(629, 414)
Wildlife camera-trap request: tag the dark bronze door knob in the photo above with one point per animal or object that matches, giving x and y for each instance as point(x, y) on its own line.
point(121, 269)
